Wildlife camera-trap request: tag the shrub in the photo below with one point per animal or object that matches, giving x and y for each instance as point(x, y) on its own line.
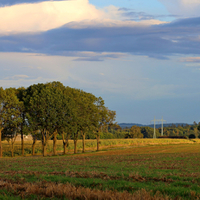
point(192, 136)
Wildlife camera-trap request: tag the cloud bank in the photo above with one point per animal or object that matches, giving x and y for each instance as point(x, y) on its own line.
point(46, 15)
point(157, 41)
point(63, 27)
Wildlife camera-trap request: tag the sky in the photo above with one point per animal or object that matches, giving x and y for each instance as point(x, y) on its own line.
point(141, 56)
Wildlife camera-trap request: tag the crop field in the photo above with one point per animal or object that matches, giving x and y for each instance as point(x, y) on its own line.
point(148, 171)
point(91, 145)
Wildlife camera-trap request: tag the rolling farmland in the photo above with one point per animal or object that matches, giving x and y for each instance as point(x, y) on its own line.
point(147, 171)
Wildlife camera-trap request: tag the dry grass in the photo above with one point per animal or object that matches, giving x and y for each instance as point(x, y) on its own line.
point(49, 189)
point(91, 144)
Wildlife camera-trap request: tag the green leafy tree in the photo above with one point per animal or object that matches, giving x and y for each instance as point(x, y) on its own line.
point(104, 118)
point(87, 111)
point(64, 107)
point(135, 132)
point(23, 124)
point(148, 132)
point(10, 116)
point(68, 115)
point(43, 104)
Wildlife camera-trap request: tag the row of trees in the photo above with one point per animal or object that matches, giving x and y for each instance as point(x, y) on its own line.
point(147, 132)
point(186, 130)
point(50, 110)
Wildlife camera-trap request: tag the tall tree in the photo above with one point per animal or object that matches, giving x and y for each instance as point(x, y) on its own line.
point(1, 117)
point(10, 115)
point(23, 124)
point(41, 104)
point(87, 111)
point(103, 118)
point(49, 110)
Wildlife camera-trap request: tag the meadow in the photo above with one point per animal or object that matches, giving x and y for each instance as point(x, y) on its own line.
point(123, 169)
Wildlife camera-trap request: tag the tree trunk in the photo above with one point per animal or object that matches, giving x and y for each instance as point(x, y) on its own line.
point(0, 145)
point(12, 148)
point(54, 143)
point(98, 141)
point(83, 135)
point(75, 146)
point(44, 146)
point(44, 149)
point(22, 143)
point(22, 135)
point(33, 145)
point(65, 143)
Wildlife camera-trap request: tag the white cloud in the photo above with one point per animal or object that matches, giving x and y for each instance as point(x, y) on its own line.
point(184, 8)
point(45, 15)
point(52, 14)
point(112, 23)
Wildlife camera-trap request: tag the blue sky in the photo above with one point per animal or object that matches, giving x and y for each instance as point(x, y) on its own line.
point(142, 57)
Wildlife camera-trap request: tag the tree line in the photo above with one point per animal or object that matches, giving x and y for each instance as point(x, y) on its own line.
point(190, 131)
point(51, 110)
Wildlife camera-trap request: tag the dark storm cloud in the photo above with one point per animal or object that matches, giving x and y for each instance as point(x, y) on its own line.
point(13, 2)
point(157, 41)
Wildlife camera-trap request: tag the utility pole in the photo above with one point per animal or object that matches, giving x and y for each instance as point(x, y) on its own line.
point(157, 120)
point(162, 125)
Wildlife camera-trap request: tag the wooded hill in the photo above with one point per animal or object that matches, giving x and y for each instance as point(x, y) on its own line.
point(129, 125)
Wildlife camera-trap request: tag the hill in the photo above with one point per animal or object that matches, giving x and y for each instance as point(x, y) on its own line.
point(128, 125)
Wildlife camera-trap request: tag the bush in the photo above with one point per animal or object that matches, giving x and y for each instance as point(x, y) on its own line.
point(107, 135)
point(192, 136)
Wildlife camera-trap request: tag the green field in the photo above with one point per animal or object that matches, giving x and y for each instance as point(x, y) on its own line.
point(146, 170)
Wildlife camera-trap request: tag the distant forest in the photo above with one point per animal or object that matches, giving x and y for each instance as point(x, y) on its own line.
point(139, 131)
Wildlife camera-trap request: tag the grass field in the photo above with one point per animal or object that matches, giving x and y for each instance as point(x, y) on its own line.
point(91, 145)
point(156, 170)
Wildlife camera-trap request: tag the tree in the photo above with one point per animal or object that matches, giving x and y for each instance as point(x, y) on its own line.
point(1, 117)
point(87, 112)
point(103, 118)
point(67, 127)
point(10, 115)
point(148, 132)
point(135, 132)
point(23, 124)
point(64, 106)
point(196, 132)
point(43, 103)
point(35, 135)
